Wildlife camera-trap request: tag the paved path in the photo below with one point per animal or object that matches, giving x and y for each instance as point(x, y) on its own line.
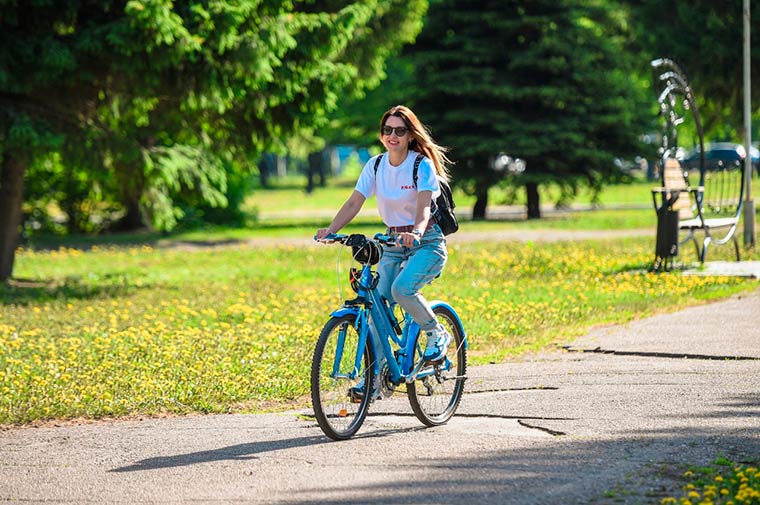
point(610, 419)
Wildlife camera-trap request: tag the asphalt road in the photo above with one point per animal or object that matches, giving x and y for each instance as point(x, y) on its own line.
point(612, 418)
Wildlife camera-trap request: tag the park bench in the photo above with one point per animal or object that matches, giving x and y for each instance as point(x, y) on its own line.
point(712, 207)
point(703, 200)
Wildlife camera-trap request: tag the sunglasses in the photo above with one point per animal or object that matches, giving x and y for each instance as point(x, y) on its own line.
point(400, 130)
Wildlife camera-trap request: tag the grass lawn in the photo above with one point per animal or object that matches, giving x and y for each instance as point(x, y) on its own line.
point(288, 194)
point(118, 330)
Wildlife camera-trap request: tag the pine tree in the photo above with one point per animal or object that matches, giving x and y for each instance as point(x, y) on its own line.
point(543, 80)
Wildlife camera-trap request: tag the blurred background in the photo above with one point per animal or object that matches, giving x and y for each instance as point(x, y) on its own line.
point(169, 115)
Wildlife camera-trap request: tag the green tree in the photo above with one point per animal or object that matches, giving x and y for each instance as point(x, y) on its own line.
point(705, 38)
point(173, 95)
point(356, 121)
point(547, 81)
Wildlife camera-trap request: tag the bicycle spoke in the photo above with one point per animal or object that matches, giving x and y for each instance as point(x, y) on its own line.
point(334, 376)
point(436, 393)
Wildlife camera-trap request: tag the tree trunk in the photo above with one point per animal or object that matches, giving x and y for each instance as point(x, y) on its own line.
point(481, 202)
point(132, 220)
point(534, 204)
point(11, 198)
point(264, 170)
point(313, 169)
point(322, 166)
point(131, 180)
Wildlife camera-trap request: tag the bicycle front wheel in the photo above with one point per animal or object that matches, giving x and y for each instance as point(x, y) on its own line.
point(436, 393)
point(338, 391)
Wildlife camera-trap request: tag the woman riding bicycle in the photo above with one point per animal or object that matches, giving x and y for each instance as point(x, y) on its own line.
point(404, 206)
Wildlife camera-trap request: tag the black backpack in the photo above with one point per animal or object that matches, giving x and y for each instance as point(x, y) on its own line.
point(443, 206)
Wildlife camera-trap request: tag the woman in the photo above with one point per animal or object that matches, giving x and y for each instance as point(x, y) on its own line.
point(405, 209)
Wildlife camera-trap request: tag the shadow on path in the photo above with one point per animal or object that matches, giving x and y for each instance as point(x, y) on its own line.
point(233, 452)
point(643, 467)
point(242, 451)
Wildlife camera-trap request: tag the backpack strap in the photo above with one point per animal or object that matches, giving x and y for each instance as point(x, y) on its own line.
point(377, 164)
point(417, 162)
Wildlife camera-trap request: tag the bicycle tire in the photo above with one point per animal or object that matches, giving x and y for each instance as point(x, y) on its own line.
point(436, 397)
point(337, 414)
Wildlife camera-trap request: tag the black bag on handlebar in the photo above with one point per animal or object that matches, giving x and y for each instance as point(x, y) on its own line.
point(364, 251)
point(443, 206)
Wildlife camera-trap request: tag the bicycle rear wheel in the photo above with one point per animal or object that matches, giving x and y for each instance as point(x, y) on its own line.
point(339, 413)
point(436, 393)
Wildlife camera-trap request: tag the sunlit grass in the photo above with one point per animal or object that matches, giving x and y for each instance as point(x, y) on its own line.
point(114, 331)
point(724, 483)
point(288, 195)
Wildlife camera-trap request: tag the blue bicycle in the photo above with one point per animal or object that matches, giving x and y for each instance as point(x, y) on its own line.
point(364, 352)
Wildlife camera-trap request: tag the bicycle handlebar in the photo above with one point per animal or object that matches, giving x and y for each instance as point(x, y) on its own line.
point(332, 237)
point(380, 238)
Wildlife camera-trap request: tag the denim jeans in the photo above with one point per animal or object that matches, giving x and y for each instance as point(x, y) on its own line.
point(404, 271)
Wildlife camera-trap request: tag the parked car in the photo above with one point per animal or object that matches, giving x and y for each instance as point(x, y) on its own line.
point(723, 153)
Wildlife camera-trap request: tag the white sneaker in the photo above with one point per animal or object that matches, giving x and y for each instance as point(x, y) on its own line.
point(438, 341)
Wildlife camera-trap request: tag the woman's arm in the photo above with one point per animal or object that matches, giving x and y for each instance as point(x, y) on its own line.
point(347, 212)
point(424, 199)
point(420, 220)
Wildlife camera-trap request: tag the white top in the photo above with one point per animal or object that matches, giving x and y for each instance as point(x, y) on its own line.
point(394, 187)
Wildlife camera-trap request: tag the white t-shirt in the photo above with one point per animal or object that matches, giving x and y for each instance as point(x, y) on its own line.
point(394, 187)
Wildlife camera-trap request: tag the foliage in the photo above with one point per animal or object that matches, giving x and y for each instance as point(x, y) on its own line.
point(170, 170)
point(132, 330)
point(545, 81)
point(62, 197)
point(248, 74)
point(724, 482)
point(172, 98)
point(705, 38)
point(356, 121)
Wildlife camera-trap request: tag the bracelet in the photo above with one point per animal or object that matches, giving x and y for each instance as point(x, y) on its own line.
point(416, 232)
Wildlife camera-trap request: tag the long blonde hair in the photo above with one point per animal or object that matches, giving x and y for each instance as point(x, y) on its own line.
point(422, 141)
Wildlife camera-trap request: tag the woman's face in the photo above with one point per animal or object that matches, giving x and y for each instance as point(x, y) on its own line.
point(392, 141)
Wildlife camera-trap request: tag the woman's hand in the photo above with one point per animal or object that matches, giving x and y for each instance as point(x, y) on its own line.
point(322, 233)
point(408, 239)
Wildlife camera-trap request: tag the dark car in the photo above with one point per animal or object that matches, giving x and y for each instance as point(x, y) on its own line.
point(721, 154)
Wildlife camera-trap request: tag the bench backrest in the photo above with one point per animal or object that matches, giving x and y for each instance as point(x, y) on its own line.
point(722, 183)
point(674, 177)
point(724, 189)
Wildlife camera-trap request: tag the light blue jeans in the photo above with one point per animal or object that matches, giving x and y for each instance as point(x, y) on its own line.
point(404, 271)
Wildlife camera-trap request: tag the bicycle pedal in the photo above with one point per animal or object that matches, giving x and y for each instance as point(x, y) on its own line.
point(357, 396)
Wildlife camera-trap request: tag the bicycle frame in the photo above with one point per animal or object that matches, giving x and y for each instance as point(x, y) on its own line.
point(369, 305)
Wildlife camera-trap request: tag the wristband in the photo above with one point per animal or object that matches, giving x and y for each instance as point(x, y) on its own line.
point(416, 232)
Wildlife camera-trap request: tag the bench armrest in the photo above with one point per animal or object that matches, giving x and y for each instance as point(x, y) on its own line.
point(696, 190)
